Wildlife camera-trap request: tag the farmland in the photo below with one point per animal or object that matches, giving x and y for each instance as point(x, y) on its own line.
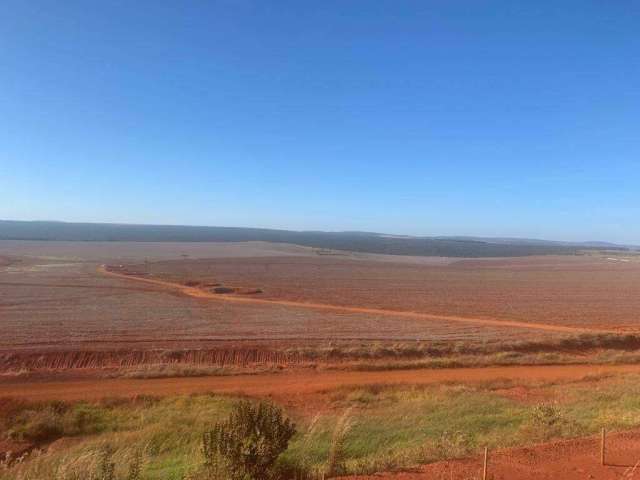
point(59, 299)
point(576, 291)
point(319, 332)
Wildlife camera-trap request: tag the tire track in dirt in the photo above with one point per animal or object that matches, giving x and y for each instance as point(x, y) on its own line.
point(198, 293)
point(287, 385)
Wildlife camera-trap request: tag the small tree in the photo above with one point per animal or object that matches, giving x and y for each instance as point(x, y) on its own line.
point(248, 443)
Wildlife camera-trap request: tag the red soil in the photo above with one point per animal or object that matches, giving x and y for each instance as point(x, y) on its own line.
point(573, 291)
point(70, 307)
point(61, 315)
point(288, 385)
point(200, 293)
point(567, 460)
point(11, 450)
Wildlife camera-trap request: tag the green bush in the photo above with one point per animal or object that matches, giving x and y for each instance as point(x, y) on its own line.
point(42, 423)
point(37, 426)
point(546, 415)
point(247, 444)
point(83, 419)
point(547, 421)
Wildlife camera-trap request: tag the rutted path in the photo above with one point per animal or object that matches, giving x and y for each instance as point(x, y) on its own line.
point(199, 293)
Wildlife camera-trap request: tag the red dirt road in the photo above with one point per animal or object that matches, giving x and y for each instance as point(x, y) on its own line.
point(199, 293)
point(286, 385)
point(577, 459)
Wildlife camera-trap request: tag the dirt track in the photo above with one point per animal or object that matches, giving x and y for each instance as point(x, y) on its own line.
point(289, 384)
point(199, 293)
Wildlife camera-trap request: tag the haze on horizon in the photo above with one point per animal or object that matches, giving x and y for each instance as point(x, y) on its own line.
point(495, 119)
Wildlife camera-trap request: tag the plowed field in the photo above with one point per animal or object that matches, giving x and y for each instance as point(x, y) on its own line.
point(579, 291)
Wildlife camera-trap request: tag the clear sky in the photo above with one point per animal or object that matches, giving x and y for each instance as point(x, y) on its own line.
point(497, 118)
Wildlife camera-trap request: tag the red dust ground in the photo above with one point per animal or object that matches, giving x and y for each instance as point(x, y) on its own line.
point(286, 385)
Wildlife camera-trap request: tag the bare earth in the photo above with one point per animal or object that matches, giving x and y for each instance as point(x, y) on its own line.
point(200, 293)
point(54, 298)
point(285, 386)
point(577, 291)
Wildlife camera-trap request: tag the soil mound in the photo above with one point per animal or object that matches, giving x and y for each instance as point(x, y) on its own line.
point(223, 290)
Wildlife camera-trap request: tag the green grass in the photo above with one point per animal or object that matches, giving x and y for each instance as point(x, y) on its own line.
point(167, 430)
point(386, 428)
point(400, 427)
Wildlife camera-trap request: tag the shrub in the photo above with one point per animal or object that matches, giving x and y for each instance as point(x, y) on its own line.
point(453, 445)
point(547, 421)
point(83, 419)
point(546, 415)
point(37, 426)
point(43, 423)
point(247, 444)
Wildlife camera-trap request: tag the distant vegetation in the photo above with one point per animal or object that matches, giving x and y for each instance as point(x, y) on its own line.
point(350, 241)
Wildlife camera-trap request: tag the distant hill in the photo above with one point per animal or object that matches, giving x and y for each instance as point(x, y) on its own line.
point(352, 241)
point(534, 241)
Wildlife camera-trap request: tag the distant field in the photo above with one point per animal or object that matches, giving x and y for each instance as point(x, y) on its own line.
point(58, 311)
point(53, 297)
point(580, 291)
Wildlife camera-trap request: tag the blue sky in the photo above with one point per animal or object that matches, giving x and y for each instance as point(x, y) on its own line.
point(495, 118)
